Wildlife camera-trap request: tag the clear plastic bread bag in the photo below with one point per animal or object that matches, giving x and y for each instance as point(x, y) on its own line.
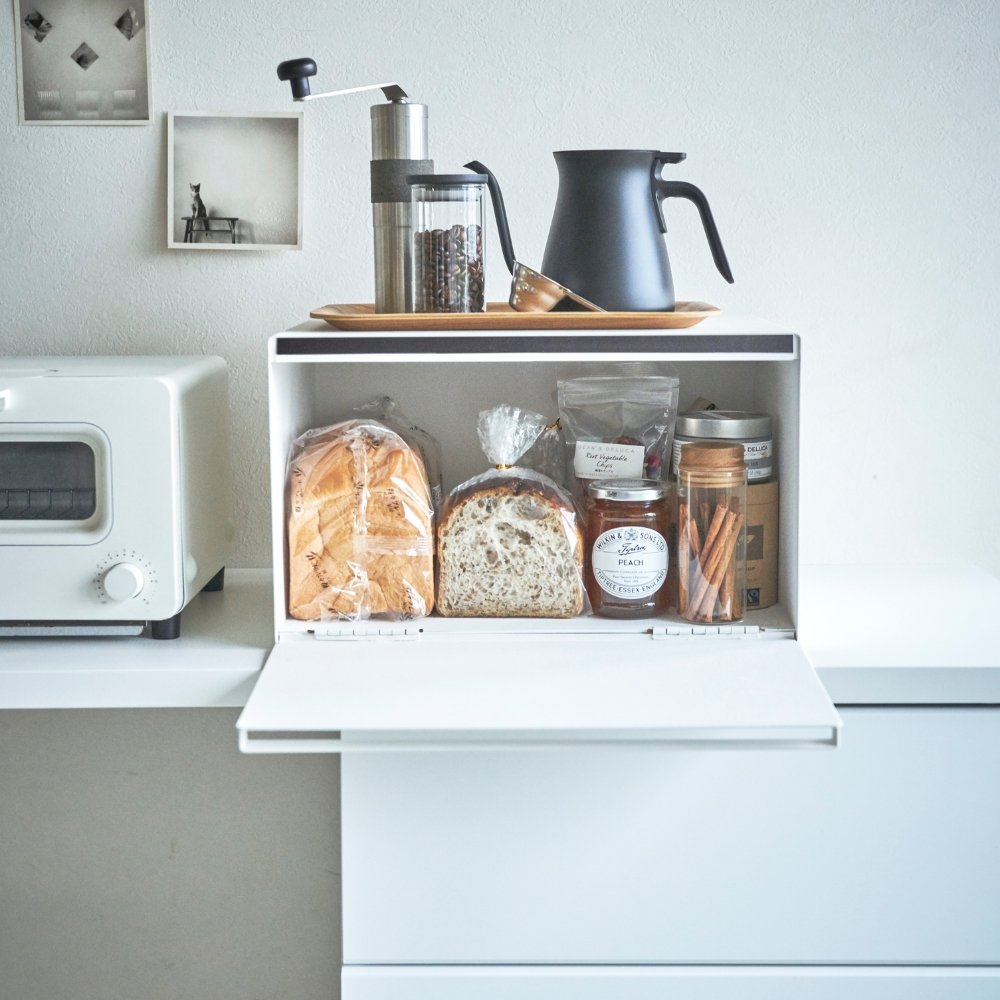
point(547, 454)
point(360, 540)
point(617, 426)
point(386, 410)
point(510, 540)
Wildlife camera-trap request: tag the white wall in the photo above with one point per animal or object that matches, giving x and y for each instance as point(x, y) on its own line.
point(849, 152)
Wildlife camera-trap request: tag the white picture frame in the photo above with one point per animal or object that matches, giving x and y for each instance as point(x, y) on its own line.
point(249, 170)
point(83, 62)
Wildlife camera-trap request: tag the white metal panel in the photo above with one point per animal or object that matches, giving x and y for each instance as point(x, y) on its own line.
point(444, 384)
point(450, 689)
point(650, 983)
point(882, 852)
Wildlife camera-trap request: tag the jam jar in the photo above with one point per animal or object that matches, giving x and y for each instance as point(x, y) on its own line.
point(628, 554)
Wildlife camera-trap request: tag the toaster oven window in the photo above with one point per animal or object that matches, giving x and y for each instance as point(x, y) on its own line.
point(47, 481)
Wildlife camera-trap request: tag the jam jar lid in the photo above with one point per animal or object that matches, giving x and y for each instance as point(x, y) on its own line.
point(628, 489)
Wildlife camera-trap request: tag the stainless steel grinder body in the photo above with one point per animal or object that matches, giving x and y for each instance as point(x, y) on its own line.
point(399, 148)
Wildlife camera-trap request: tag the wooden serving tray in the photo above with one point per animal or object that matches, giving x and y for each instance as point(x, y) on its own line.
point(500, 316)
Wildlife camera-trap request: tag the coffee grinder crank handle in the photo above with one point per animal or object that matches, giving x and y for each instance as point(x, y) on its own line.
point(298, 71)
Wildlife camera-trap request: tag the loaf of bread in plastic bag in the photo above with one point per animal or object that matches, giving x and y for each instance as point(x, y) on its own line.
point(510, 545)
point(360, 525)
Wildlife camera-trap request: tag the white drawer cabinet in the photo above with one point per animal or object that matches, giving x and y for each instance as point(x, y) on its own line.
point(690, 983)
point(584, 810)
point(886, 850)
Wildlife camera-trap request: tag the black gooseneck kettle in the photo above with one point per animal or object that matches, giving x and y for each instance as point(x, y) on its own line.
point(606, 237)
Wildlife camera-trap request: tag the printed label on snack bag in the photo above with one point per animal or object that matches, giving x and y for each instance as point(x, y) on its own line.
point(598, 460)
point(630, 562)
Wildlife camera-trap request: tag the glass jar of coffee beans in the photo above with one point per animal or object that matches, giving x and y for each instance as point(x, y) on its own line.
point(447, 216)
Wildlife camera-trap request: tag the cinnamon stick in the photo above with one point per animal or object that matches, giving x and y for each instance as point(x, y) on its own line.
point(695, 537)
point(713, 528)
point(710, 560)
point(727, 550)
point(683, 555)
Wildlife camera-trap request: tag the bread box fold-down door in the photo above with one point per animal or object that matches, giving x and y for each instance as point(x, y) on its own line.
point(419, 691)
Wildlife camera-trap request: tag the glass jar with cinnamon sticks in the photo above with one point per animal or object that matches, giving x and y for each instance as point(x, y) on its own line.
point(711, 531)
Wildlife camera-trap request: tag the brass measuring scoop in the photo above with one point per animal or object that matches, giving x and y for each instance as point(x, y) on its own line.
point(530, 291)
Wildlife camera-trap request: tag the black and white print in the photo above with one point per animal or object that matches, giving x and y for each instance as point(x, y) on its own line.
point(234, 182)
point(83, 62)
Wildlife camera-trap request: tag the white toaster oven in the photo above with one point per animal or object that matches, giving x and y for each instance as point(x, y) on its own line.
point(115, 490)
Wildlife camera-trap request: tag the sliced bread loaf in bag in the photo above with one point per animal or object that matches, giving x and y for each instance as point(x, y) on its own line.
point(510, 547)
point(360, 525)
point(509, 541)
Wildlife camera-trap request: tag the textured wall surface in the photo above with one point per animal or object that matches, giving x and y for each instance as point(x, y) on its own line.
point(849, 153)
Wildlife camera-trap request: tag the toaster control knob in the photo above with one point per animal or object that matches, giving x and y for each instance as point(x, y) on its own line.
point(122, 582)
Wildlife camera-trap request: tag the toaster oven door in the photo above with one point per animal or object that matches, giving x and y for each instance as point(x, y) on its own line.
point(55, 484)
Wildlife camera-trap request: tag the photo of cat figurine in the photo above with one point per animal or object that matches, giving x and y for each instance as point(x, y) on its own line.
point(198, 210)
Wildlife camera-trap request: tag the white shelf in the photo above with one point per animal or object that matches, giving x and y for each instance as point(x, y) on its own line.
point(872, 633)
point(225, 638)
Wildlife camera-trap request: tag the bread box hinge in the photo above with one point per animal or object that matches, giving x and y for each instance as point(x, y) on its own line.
point(709, 631)
point(368, 631)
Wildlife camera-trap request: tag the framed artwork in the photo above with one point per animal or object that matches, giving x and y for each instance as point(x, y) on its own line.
point(82, 62)
point(234, 181)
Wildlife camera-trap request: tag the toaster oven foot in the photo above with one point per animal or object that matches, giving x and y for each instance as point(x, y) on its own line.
point(169, 628)
point(216, 582)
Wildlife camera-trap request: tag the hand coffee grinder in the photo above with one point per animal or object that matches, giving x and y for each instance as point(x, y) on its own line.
point(399, 148)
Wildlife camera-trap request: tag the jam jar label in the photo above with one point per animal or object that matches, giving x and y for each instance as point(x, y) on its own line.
point(630, 562)
point(604, 460)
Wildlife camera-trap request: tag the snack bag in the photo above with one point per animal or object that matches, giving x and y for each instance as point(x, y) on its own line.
point(617, 427)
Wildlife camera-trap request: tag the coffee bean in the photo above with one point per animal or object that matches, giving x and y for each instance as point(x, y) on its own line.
point(448, 269)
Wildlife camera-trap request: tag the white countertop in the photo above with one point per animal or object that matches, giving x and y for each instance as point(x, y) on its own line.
point(913, 634)
point(877, 635)
point(225, 638)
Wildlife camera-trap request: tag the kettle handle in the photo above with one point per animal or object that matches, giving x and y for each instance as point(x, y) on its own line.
point(681, 189)
point(503, 230)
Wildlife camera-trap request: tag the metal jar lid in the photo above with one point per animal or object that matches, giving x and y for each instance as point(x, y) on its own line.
point(730, 425)
point(447, 180)
point(628, 489)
